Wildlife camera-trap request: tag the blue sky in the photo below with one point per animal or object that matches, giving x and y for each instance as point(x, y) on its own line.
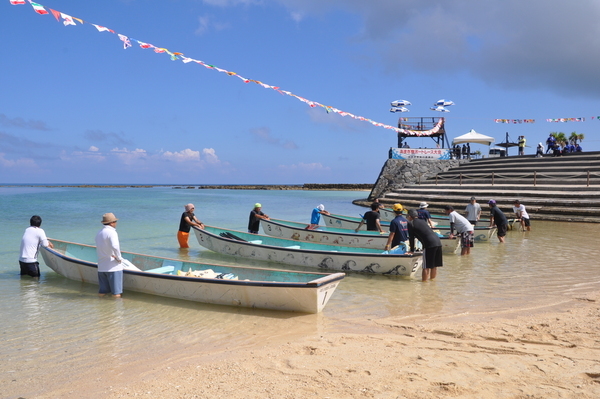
point(76, 107)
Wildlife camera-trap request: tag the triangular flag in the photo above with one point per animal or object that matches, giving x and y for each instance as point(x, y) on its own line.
point(17, 2)
point(67, 19)
point(38, 8)
point(125, 40)
point(56, 14)
point(103, 29)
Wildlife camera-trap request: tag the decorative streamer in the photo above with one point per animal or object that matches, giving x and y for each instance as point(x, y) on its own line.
point(68, 20)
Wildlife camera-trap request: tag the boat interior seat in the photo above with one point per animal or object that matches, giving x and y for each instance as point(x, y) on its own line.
point(162, 270)
point(178, 265)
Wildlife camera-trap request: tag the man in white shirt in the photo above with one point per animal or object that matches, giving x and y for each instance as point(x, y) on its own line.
point(33, 238)
point(464, 229)
point(522, 214)
point(110, 268)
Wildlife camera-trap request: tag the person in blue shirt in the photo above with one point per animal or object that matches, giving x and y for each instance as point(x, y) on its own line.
point(550, 141)
point(315, 217)
point(578, 148)
point(424, 213)
point(398, 229)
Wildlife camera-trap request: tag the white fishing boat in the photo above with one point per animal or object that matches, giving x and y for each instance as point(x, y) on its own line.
point(387, 215)
point(481, 233)
point(307, 254)
point(241, 286)
point(331, 235)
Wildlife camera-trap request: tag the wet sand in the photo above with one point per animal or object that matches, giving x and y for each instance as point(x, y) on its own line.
point(549, 352)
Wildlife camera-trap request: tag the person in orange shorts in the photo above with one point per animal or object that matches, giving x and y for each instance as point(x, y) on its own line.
point(188, 219)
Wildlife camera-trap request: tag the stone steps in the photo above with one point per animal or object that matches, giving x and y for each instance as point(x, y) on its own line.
point(552, 188)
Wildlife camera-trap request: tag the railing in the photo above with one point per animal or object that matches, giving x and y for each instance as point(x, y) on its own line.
point(535, 174)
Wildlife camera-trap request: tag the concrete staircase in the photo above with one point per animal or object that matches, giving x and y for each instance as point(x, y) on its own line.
point(563, 188)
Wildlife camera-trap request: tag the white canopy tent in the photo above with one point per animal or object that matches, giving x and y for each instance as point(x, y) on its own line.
point(473, 137)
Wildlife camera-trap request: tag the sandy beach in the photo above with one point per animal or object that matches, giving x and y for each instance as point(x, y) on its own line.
point(549, 352)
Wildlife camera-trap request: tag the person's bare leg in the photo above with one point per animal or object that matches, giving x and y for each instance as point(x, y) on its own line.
point(425, 274)
point(433, 273)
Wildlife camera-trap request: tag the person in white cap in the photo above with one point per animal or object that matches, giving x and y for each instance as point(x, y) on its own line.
point(254, 220)
point(315, 217)
point(188, 219)
point(424, 213)
point(110, 268)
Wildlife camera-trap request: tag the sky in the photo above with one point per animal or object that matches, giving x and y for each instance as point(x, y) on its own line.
point(76, 107)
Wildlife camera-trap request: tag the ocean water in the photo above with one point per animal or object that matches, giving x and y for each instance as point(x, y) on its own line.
point(57, 331)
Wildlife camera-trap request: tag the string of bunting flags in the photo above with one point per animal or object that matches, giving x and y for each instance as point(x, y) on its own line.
point(127, 42)
point(547, 120)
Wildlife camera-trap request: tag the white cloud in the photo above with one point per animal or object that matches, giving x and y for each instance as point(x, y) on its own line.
point(18, 164)
point(129, 157)
point(93, 149)
point(182, 156)
point(210, 155)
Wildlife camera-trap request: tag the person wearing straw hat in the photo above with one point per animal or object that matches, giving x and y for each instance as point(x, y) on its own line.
point(188, 219)
point(110, 267)
point(254, 220)
point(424, 213)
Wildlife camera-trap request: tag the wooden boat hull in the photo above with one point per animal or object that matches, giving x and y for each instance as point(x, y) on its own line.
point(255, 288)
point(481, 234)
point(308, 254)
point(329, 235)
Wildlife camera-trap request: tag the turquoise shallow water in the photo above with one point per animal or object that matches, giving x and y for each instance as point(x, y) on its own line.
point(57, 321)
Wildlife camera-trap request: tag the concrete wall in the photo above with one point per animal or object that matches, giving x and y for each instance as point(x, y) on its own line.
point(397, 173)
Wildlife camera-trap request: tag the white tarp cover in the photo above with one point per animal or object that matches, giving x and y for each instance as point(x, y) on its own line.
point(473, 137)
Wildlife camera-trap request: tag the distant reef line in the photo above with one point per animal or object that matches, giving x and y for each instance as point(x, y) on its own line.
point(308, 186)
point(342, 187)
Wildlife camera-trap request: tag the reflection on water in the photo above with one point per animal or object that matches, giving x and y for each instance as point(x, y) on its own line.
point(55, 321)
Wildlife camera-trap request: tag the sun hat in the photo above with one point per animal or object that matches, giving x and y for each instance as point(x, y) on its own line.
point(492, 202)
point(321, 207)
point(398, 208)
point(108, 218)
point(423, 205)
point(189, 207)
point(257, 205)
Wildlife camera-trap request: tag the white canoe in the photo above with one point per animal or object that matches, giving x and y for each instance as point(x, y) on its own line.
point(307, 254)
point(331, 235)
point(481, 233)
point(254, 287)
